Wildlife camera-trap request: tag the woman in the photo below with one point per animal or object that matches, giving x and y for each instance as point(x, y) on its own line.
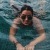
point(28, 30)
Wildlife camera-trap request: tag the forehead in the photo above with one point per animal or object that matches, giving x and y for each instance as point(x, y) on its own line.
point(27, 12)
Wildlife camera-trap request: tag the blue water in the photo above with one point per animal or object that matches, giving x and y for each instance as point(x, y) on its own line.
point(7, 14)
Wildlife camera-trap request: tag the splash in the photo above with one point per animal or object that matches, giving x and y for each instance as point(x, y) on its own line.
point(42, 5)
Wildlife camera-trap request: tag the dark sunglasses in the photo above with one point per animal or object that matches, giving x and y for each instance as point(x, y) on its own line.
point(28, 16)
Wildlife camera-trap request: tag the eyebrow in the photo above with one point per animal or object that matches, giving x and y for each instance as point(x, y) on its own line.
point(24, 14)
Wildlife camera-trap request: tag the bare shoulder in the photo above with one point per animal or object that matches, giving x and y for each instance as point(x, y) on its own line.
point(35, 19)
point(37, 23)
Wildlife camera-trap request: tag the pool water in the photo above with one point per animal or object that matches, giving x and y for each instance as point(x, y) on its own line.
point(7, 14)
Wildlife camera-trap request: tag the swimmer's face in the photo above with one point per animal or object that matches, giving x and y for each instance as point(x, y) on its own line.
point(26, 17)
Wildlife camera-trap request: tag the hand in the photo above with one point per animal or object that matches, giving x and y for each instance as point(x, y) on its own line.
point(19, 47)
point(29, 47)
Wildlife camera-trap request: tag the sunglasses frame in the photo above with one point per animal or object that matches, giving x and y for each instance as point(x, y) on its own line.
point(28, 16)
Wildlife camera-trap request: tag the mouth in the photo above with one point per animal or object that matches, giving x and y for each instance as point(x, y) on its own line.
point(26, 23)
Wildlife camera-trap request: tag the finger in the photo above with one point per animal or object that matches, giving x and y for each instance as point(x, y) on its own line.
point(17, 48)
point(26, 48)
point(32, 49)
point(20, 48)
point(29, 48)
point(23, 49)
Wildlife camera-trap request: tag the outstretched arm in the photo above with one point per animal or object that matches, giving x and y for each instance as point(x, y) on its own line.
point(12, 35)
point(13, 29)
point(12, 38)
point(41, 32)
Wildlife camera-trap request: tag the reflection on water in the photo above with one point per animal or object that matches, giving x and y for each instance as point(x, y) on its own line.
point(7, 15)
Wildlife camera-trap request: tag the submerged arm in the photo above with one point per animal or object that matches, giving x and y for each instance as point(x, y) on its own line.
point(13, 30)
point(40, 30)
point(12, 35)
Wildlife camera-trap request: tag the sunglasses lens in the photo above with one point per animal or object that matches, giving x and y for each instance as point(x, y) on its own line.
point(29, 17)
point(23, 17)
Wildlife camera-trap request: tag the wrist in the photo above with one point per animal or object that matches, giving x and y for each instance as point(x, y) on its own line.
point(32, 44)
point(16, 43)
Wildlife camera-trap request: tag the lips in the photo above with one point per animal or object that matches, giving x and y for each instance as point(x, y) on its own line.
point(26, 22)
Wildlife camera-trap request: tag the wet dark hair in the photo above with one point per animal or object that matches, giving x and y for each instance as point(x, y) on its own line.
point(26, 7)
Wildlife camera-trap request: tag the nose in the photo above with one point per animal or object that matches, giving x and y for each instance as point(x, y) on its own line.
point(26, 18)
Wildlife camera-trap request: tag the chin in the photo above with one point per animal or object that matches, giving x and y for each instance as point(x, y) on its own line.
point(25, 24)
